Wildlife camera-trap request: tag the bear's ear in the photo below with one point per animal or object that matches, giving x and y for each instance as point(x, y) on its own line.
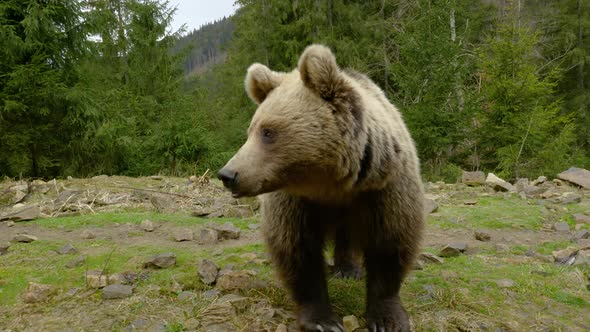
point(260, 81)
point(319, 71)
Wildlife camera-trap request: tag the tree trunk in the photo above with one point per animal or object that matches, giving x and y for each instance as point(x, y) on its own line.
point(458, 90)
point(384, 45)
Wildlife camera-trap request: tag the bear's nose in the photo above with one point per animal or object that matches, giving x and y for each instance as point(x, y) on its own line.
point(228, 177)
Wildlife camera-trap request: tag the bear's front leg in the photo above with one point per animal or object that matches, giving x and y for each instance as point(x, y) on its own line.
point(295, 239)
point(395, 222)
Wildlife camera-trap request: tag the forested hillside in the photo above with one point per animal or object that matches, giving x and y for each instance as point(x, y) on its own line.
point(92, 87)
point(207, 45)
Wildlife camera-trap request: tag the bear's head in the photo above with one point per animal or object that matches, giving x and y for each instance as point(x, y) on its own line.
point(307, 133)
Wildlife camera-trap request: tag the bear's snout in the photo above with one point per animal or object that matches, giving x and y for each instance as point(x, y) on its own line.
point(228, 177)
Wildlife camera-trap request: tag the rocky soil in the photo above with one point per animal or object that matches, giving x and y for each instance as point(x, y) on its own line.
point(172, 254)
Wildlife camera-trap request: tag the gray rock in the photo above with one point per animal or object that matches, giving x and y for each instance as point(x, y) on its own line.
point(561, 227)
point(351, 323)
point(139, 324)
point(183, 234)
point(505, 283)
point(36, 293)
point(582, 234)
point(238, 280)
point(565, 256)
point(207, 236)
point(430, 205)
point(581, 218)
point(24, 238)
point(225, 231)
point(210, 293)
point(239, 302)
point(431, 258)
point(147, 225)
point(583, 258)
point(161, 261)
point(254, 226)
point(498, 184)
point(186, 295)
point(521, 183)
point(96, 279)
point(540, 180)
point(117, 291)
point(578, 176)
point(160, 202)
point(470, 202)
point(76, 262)
point(570, 198)
point(67, 249)
point(453, 249)
point(208, 271)
point(4, 248)
point(87, 234)
point(473, 178)
point(482, 236)
point(28, 213)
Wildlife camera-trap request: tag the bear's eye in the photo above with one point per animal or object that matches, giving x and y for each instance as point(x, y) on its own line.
point(268, 135)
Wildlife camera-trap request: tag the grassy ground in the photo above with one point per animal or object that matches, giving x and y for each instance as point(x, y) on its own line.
point(465, 293)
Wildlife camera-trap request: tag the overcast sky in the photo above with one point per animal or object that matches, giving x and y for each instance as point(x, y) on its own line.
point(195, 13)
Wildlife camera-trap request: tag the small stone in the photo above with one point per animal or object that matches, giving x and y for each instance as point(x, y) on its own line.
point(185, 296)
point(253, 226)
point(236, 280)
point(117, 278)
point(139, 324)
point(583, 258)
point(24, 238)
point(208, 271)
point(96, 279)
point(431, 258)
point(453, 249)
point(67, 249)
point(540, 180)
point(76, 262)
point(561, 227)
point(10, 223)
point(498, 184)
point(430, 205)
point(473, 178)
point(210, 293)
point(505, 283)
point(282, 328)
point(564, 256)
point(117, 291)
point(581, 219)
point(36, 293)
point(4, 248)
point(161, 261)
point(239, 302)
point(570, 198)
point(87, 235)
point(182, 234)
point(147, 226)
point(351, 323)
point(583, 244)
point(470, 202)
point(207, 236)
point(582, 234)
point(482, 236)
point(226, 231)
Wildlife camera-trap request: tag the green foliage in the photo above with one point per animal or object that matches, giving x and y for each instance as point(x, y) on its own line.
point(101, 86)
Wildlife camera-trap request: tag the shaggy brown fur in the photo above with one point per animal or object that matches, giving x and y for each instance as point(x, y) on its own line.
point(332, 158)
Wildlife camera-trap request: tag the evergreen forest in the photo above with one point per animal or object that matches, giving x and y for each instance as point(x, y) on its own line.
point(108, 87)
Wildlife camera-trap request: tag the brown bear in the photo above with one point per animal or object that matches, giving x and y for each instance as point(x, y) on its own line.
point(332, 159)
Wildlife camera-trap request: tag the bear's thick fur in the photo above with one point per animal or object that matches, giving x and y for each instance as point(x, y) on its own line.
point(332, 159)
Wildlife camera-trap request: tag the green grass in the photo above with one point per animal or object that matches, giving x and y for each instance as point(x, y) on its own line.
point(495, 212)
point(133, 217)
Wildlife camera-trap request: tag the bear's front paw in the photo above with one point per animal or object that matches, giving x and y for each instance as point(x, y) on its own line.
point(310, 321)
point(388, 317)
